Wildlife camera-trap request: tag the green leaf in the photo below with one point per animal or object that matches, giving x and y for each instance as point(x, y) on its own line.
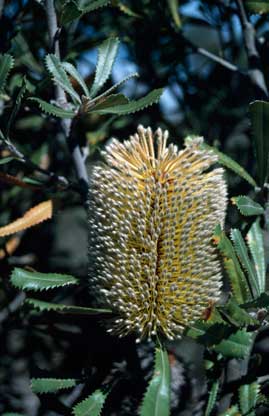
point(259, 115)
point(248, 396)
point(236, 315)
point(261, 302)
point(25, 280)
point(7, 159)
point(236, 275)
point(107, 52)
point(60, 78)
point(12, 414)
point(133, 106)
point(6, 63)
point(208, 334)
point(51, 385)
point(242, 253)
point(232, 411)
point(71, 70)
point(92, 406)
point(52, 109)
point(256, 246)
point(75, 9)
point(258, 6)
point(64, 309)
point(107, 102)
point(231, 164)
point(212, 398)
point(20, 94)
point(237, 345)
point(156, 401)
point(247, 206)
point(173, 7)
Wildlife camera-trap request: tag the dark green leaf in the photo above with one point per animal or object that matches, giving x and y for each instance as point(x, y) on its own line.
point(6, 63)
point(76, 8)
point(248, 396)
point(259, 114)
point(21, 51)
point(212, 398)
point(20, 94)
point(173, 7)
point(52, 109)
point(261, 302)
point(256, 247)
point(71, 70)
point(64, 309)
point(25, 280)
point(107, 102)
point(237, 345)
point(60, 78)
point(247, 206)
point(209, 334)
point(232, 411)
point(92, 406)
point(236, 315)
point(258, 6)
point(107, 52)
point(12, 414)
point(156, 401)
point(51, 385)
point(5, 160)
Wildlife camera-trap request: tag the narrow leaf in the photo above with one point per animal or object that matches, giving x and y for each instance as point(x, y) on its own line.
point(259, 115)
point(242, 253)
point(133, 106)
point(92, 406)
point(33, 216)
point(248, 396)
point(25, 280)
point(232, 411)
point(256, 247)
point(237, 345)
point(258, 6)
point(107, 102)
point(60, 78)
point(52, 109)
point(75, 9)
point(71, 70)
point(107, 52)
point(7, 159)
point(6, 63)
point(157, 398)
point(51, 385)
point(212, 398)
point(64, 309)
point(247, 206)
point(173, 7)
point(19, 97)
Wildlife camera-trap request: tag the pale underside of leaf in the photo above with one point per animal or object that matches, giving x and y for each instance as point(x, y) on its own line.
point(51, 385)
point(36, 281)
point(256, 246)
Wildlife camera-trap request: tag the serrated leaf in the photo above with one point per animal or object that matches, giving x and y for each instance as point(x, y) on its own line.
point(52, 109)
point(6, 63)
point(261, 302)
point(231, 164)
point(257, 6)
point(107, 102)
point(237, 345)
point(107, 52)
point(259, 115)
point(156, 401)
point(212, 398)
point(248, 396)
point(247, 206)
point(51, 385)
point(232, 411)
point(92, 406)
point(236, 315)
point(208, 334)
point(64, 309)
point(71, 70)
point(18, 100)
point(236, 275)
point(25, 280)
point(133, 106)
point(242, 253)
point(173, 7)
point(60, 78)
point(256, 246)
point(75, 9)
point(33, 216)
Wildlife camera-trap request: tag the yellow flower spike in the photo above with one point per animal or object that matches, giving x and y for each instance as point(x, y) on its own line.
point(152, 214)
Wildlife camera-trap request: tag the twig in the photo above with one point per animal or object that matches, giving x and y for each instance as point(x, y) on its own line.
point(67, 124)
point(254, 62)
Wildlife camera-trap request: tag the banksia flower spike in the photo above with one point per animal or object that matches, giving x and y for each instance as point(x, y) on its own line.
point(153, 210)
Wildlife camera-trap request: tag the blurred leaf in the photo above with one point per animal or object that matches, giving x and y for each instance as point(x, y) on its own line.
point(76, 8)
point(33, 216)
point(236, 315)
point(51, 385)
point(25, 280)
point(7, 159)
point(54, 66)
point(173, 7)
point(6, 63)
point(248, 396)
point(257, 6)
point(107, 102)
point(237, 345)
point(12, 414)
point(242, 253)
point(52, 109)
point(256, 246)
point(65, 309)
point(156, 401)
point(13, 180)
point(71, 70)
point(107, 52)
point(20, 94)
point(23, 54)
point(208, 334)
point(237, 277)
point(92, 406)
point(212, 398)
point(232, 411)
point(247, 206)
point(125, 9)
point(133, 106)
point(259, 115)
point(261, 302)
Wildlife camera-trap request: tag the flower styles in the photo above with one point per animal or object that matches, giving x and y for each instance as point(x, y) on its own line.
point(152, 214)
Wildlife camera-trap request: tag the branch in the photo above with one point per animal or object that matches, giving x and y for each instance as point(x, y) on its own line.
point(67, 124)
point(254, 62)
